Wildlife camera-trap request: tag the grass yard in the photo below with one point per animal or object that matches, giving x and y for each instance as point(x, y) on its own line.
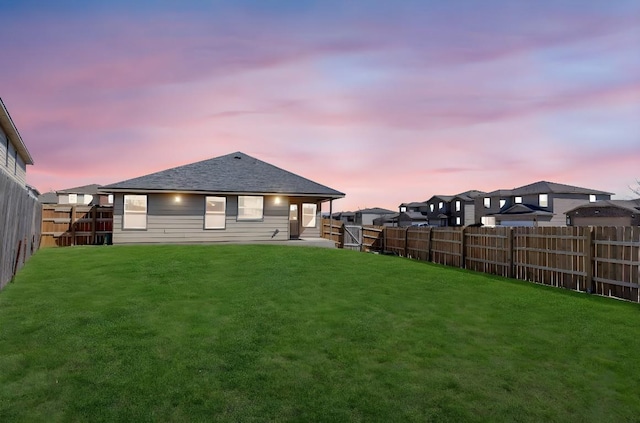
point(275, 333)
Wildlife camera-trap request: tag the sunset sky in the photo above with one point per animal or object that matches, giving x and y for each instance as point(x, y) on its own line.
point(387, 101)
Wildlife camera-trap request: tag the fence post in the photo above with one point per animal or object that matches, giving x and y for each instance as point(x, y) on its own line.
point(94, 223)
point(510, 252)
point(384, 240)
point(429, 244)
point(463, 247)
point(406, 239)
point(589, 262)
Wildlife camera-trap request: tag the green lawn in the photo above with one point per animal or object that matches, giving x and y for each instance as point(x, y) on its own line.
point(275, 333)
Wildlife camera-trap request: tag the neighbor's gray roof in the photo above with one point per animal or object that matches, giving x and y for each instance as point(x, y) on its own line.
point(12, 132)
point(85, 189)
point(375, 210)
point(523, 209)
point(233, 173)
point(544, 187)
point(630, 205)
point(48, 198)
point(445, 198)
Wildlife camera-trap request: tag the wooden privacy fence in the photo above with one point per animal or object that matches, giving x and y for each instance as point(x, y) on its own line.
point(19, 227)
point(369, 238)
point(600, 260)
point(66, 225)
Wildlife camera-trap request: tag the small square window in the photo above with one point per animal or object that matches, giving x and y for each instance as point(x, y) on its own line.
point(403, 209)
point(73, 198)
point(518, 200)
point(592, 198)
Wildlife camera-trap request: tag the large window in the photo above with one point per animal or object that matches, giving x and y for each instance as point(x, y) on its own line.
point(487, 202)
point(135, 212)
point(309, 215)
point(73, 198)
point(215, 211)
point(457, 205)
point(250, 207)
point(543, 200)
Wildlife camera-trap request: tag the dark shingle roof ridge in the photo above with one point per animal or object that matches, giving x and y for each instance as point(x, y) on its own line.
point(84, 189)
point(376, 210)
point(222, 174)
point(541, 187)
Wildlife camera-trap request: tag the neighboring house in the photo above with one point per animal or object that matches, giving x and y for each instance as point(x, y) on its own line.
point(538, 204)
point(387, 220)
point(14, 156)
point(229, 198)
point(367, 216)
point(438, 210)
point(348, 217)
point(606, 213)
point(445, 210)
point(463, 209)
point(89, 195)
point(411, 218)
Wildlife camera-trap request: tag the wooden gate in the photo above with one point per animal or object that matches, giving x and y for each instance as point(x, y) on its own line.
point(353, 238)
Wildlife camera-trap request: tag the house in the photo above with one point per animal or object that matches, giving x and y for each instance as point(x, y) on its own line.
point(49, 197)
point(445, 210)
point(14, 156)
point(387, 220)
point(606, 213)
point(229, 198)
point(438, 210)
point(463, 209)
point(367, 216)
point(89, 195)
point(541, 203)
point(348, 217)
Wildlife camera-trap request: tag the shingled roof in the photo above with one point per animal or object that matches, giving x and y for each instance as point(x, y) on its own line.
point(85, 189)
point(232, 173)
point(543, 187)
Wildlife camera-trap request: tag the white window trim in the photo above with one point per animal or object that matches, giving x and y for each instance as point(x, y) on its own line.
point(125, 224)
point(251, 218)
point(209, 225)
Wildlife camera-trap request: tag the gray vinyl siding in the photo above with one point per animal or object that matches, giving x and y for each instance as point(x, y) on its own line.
point(469, 214)
point(169, 221)
point(17, 172)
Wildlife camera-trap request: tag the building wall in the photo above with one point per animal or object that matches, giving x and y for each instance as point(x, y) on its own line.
point(15, 170)
point(469, 214)
point(169, 221)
